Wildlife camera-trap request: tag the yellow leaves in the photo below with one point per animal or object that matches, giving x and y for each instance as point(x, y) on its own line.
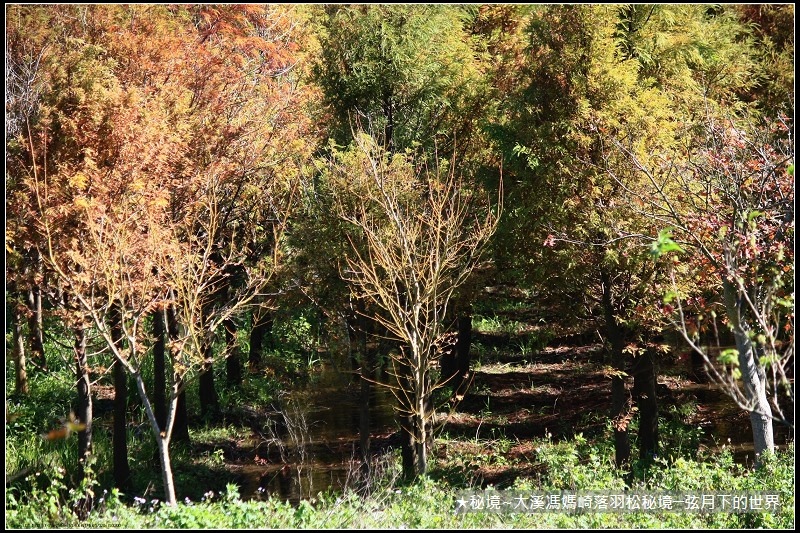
point(10, 241)
point(160, 202)
point(81, 202)
point(179, 368)
point(78, 181)
point(610, 372)
point(632, 349)
point(137, 186)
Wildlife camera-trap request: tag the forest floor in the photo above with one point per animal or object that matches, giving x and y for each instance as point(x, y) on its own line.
point(564, 390)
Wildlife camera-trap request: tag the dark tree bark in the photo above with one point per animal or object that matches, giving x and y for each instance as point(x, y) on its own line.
point(620, 412)
point(209, 400)
point(233, 364)
point(84, 416)
point(415, 448)
point(159, 370)
point(119, 439)
point(262, 325)
point(644, 392)
point(462, 350)
point(180, 428)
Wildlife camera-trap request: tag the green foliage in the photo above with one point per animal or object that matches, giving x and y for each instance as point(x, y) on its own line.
point(428, 503)
point(664, 244)
point(405, 71)
point(576, 465)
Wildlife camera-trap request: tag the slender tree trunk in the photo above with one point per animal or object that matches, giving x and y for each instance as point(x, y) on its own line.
point(180, 430)
point(119, 440)
point(414, 420)
point(209, 401)
point(20, 372)
point(84, 415)
point(159, 370)
point(233, 364)
point(35, 327)
point(753, 376)
point(619, 400)
point(407, 446)
point(166, 470)
point(644, 391)
point(162, 437)
point(462, 350)
point(262, 324)
point(405, 420)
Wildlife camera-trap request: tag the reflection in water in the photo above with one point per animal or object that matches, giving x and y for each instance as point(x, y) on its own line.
point(728, 425)
point(317, 444)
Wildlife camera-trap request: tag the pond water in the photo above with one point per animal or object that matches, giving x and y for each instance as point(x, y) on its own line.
point(317, 443)
point(726, 425)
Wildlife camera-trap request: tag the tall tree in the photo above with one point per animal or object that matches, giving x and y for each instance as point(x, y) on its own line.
point(145, 132)
point(423, 238)
point(731, 202)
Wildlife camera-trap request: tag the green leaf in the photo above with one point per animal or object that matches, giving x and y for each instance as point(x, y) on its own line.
point(670, 296)
point(753, 214)
point(729, 357)
point(664, 244)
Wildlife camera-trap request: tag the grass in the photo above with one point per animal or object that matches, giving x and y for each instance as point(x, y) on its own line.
point(430, 501)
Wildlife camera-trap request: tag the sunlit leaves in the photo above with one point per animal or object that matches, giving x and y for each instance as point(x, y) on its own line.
point(664, 244)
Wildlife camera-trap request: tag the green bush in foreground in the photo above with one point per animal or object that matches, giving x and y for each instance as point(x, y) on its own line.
point(430, 505)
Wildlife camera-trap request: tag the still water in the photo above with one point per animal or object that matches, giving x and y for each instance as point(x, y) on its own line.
point(317, 439)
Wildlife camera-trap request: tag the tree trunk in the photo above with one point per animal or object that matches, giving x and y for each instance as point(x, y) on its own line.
point(753, 376)
point(619, 400)
point(407, 450)
point(180, 429)
point(84, 416)
point(20, 372)
point(209, 401)
point(159, 370)
point(166, 470)
point(119, 439)
point(35, 327)
point(233, 365)
point(462, 351)
point(414, 421)
point(262, 324)
point(162, 441)
point(644, 392)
